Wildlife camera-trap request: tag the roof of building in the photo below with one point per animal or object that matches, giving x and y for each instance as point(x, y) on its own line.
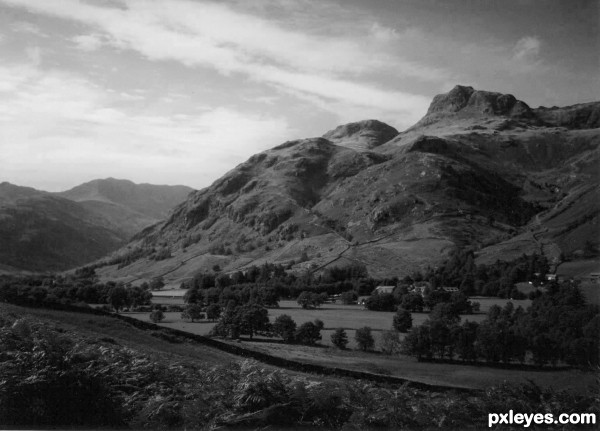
point(384, 289)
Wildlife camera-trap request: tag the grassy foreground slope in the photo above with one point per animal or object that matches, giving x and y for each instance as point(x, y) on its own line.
point(60, 369)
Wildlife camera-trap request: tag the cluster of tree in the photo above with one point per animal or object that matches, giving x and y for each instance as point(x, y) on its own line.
point(236, 320)
point(195, 311)
point(308, 299)
point(559, 327)
point(239, 294)
point(497, 279)
point(82, 287)
point(402, 298)
point(308, 333)
point(287, 284)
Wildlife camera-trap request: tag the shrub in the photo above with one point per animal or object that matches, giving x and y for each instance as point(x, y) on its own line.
point(364, 338)
point(308, 333)
point(285, 327)
point(339, 338)
point(390, 342)
point(402, 320)
point(157, 316)
point(192, 312)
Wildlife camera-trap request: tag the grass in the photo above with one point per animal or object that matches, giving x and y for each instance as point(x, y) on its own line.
point(349, 317)
point(352, 317)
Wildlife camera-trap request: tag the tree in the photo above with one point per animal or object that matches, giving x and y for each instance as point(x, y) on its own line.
point(193, 295)
point(137, 296)
point(285, 327)
point(381, 302)
point(193, 312)
point(308, 299)
point(402, 320)
point(418, 342)
point(339, 338)
point(213, 311)
point(117, 297)
point(308, 333)
point(157, 283)
point(349, 297)
point(390, 342)
point(364, 338)
point(252, 319)
point(157, 316)
point(412, 302)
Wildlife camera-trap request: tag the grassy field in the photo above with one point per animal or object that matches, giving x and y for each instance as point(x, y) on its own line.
point(100, 327)
point(352, 317)
point(349, 317)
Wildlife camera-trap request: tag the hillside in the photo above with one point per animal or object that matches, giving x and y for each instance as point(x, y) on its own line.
point(481, 169)
point(43, 231)
point(40, 231)
point(129, 207)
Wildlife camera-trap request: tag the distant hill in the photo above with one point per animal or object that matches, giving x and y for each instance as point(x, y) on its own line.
point(481, 169)
point(127, 207)
point(41, 231)
point(149, 200)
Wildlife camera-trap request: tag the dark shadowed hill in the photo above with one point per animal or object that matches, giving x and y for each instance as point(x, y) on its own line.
point(42, 231)
point(481, 169)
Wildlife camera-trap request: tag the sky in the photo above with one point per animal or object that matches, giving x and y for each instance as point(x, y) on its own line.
point(181, 91)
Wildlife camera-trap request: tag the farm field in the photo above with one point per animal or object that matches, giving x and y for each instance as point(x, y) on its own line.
point(400, 366)
point(352, 317)
point(349, 317)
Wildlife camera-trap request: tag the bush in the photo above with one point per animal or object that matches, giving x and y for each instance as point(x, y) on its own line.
point(390, 342)
point(285, 327)
point(364, 338)
point(193, 312)
point(308, 333)
point(339, 338)
point(402, 320)
point(157, 316)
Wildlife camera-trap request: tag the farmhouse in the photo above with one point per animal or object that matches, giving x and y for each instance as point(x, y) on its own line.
point(449, 289)
point(383, 289)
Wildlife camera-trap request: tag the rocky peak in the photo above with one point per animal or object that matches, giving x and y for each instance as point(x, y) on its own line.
point(362, 135)
point(466, 102)
point(462, 98)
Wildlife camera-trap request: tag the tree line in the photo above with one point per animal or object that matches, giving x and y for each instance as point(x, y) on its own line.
point(558, 327)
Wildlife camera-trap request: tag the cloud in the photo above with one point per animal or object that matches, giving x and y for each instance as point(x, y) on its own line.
point(54, 121)
point(88, 42)
point(527, 48)
point(212, 35)
point(29, 28)
point(34, 54)
point(384, 34)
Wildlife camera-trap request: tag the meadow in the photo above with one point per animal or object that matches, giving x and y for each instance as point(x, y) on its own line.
point(333, 315)
point(351, 317)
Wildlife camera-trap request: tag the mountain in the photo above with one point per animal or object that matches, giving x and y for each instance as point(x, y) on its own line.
point(481, 170)
point(126, 206)
point(41, 231)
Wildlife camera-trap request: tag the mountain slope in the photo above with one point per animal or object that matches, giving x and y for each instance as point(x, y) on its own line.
point(40, 231)
point(127, 207)
point(481, 169)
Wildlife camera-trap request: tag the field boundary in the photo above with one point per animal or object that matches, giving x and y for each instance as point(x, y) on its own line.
point(253, 354)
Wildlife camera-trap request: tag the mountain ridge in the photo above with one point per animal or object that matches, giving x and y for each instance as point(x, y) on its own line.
point(475, 171)
point(43, 231)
